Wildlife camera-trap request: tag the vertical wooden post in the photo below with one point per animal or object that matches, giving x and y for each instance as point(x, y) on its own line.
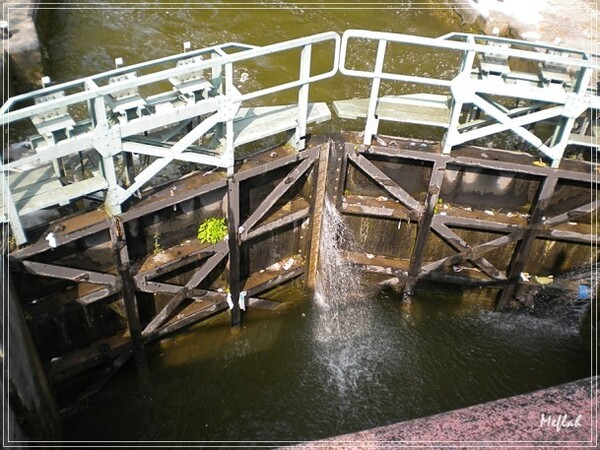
point(317, 213)
point(523, 248)
point(340, 172)
point(121, 256)
point(433, 193)
point(233, 224)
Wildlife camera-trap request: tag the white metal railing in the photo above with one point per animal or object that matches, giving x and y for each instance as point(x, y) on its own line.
point(472, 87)
point(115, 110)
point(193, 94)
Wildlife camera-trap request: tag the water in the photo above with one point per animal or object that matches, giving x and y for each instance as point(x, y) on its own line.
point(85, 40)
point(343, 315)
point(344, 361)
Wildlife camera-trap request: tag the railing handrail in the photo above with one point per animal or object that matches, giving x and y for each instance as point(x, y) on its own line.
point(586, 62)
point(519, 42)
point(92, 90)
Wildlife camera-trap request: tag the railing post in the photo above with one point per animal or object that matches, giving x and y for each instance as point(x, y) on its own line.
point(229, 151)
point(299, 141)
point(459, 83)
point(565, 125)
point(102, 143)
point(372, 119)
point(11, 210)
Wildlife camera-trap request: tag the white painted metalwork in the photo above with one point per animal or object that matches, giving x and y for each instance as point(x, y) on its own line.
point(110, 118)
point(558, 90)
point(127, 111)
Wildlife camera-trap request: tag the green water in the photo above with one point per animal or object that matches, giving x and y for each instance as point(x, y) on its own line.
point(304, 372)
point(86, 41)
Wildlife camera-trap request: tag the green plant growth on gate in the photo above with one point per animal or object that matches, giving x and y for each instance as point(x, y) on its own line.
point(156, 245)
point(212, 230)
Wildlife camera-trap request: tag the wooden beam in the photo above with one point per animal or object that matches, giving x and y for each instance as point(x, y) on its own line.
point(480, 162)
point(521, 253)
point(474, 253)
point(458, 244)
point(233, 224)
point(211, 310)
point(121, 257)
point(42, 245)
point(276, 224)
point(170, 266)
point(174, 197)
point(154, 287)
point(184, 292)
point(279, 279)
point(275, 195)
point(433, 192)
point(570, 236)
point(71, 274)
point(318, 206)
point(478, 224)
point(269, 166)
point(572, 214)
point(379, 177)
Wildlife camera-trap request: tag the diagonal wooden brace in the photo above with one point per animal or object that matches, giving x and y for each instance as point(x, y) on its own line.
point(572, 214)
point(221, 251)
point(458, 244)
point(275, 195)
point(385, 182)
point(69, 273)
point(474, 253)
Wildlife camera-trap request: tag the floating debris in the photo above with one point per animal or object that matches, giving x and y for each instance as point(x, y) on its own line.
point(288, 263)
point(544, 280)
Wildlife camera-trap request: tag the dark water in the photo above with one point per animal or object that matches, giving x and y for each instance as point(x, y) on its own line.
point(315, 369)
point(302, 374)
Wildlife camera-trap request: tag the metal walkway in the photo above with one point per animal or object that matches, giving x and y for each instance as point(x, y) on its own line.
point(119, 131)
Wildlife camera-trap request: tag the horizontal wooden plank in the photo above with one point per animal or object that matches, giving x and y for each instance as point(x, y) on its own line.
point(272, 276)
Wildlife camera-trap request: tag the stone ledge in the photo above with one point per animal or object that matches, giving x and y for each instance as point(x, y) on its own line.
point(569, 420)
